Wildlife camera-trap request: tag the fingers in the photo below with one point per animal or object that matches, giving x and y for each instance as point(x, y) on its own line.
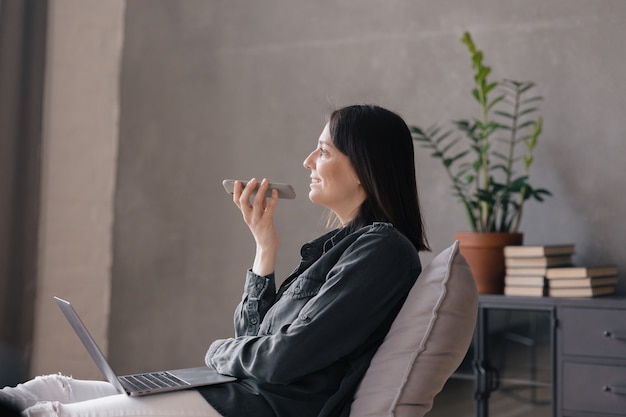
point(259, 198)
point(271, 205)
point(242, 199)
point(241, 194)
point(258, 214)
point(238, 188)
point(251, 199)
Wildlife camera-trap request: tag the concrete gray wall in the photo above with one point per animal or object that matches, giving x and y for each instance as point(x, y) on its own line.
point(235, 89)
point(79, 152)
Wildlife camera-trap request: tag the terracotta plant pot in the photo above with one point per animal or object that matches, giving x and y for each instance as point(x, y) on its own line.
point(484, 252)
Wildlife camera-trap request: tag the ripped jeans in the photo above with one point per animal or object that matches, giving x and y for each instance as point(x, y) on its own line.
point(64, 396)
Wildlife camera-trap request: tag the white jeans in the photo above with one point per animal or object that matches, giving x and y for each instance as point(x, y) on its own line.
point(63, 396)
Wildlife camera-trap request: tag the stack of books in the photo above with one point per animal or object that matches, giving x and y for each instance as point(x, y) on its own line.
point(527, 267)
point(581, 281)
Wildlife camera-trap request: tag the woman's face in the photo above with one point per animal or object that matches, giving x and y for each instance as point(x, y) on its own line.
point(334, 183)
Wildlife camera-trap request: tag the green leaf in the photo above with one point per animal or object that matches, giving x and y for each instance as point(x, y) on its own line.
point(462, 124)
point(450, 145)
point(416, 129)
point(528, 160)
point(490, 87)
point(543, 191)
point(504, 114)
point(500, 155)
point(527, 111)
point(526, 87)
point(514, 83)
point(468, 179)
point(531, 100)
point(526, 124)
point(483, 72)
point(491, 127)
point(467, 40)
point(494, 102)
point(459, 156)
point(443, 137)
point(499, 167)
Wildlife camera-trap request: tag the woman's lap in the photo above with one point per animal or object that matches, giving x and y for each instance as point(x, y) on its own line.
point(68, 397)
point(181, 403)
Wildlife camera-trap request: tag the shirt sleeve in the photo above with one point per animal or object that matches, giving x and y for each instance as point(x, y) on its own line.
point(360, 291)
point(258, 296)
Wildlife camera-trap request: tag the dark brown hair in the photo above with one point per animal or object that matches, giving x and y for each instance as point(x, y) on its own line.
point(379, 145)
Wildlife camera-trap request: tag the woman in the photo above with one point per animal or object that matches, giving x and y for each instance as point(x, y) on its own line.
point(301, 350)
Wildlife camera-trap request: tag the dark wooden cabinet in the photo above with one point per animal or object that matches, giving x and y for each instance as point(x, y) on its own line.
point(574, 359)
point(592, 359)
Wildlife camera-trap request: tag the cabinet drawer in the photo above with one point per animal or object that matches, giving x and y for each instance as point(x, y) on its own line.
point(594, 388)
point(594, 332)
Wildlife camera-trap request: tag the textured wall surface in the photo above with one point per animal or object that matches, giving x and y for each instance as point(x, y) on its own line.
point(235, 89)
point(80, 136)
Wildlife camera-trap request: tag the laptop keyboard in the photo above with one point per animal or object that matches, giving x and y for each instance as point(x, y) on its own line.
point(154, 380)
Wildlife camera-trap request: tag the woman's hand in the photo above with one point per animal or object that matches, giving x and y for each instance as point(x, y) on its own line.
point(258, 213)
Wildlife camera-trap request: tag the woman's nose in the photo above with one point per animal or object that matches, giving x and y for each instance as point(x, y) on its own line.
point(307, 161)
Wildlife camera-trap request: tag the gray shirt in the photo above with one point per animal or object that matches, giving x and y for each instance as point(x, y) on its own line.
point(302, 350)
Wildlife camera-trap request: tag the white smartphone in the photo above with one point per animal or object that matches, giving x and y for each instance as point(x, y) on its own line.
point(284, 190)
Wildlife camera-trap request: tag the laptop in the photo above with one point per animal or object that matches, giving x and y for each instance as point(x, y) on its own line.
point(144, 383)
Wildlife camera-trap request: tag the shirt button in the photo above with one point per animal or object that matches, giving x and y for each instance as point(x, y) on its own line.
point(253, 320)
point(297, 290)
point(259, 286)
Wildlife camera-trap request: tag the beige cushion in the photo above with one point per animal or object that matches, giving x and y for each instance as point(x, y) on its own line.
point(425, 344)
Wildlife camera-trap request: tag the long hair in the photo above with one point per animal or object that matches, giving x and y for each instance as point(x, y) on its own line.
point(379, 146)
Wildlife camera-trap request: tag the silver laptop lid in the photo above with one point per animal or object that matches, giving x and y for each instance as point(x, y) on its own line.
point(89, 343)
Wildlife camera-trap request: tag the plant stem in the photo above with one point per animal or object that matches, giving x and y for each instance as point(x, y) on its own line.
point(484, 206)
point(511, 156)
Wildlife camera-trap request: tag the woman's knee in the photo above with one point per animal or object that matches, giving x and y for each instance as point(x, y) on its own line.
point(41, 388)
point(54, 383)
point(43, 409)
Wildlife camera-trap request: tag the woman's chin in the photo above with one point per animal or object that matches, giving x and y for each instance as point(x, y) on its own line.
point(314, 197)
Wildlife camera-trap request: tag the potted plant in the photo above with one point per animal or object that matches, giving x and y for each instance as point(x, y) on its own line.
point(489, 171)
